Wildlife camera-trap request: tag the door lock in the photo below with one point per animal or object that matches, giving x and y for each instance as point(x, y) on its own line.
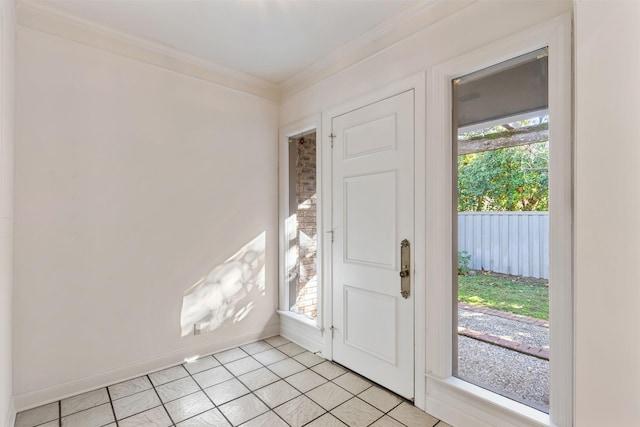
point(405, 262)
point(404, 272)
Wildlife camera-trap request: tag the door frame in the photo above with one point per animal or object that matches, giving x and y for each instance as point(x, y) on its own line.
point(448, 397)
point(417, 83)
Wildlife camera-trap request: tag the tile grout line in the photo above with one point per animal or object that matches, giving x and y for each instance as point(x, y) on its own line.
point(252, 392)
point(115, 418)
point(153, 387)
point(202, 389)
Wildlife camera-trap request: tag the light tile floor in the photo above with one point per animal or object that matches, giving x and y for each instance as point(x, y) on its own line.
point(268, 383)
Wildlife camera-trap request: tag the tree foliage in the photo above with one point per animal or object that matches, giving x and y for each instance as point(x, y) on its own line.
point(507, 179)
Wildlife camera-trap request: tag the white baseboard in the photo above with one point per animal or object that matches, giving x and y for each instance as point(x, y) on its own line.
point(11, 414)
point(71, 388)
point(301, 331)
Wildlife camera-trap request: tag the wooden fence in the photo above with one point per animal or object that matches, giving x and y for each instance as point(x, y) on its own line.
point(515, 243)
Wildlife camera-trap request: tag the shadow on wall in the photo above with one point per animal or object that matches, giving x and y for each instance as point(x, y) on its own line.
point(228, 292)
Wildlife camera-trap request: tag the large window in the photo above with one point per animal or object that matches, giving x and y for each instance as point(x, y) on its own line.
point(501, 229)
point(499, 212)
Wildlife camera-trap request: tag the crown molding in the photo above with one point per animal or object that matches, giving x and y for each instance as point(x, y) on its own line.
point(394, 30)
point(54, 21)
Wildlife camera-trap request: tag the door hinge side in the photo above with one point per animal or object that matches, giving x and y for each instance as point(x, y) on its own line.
point(331, 233)
point(332, 137)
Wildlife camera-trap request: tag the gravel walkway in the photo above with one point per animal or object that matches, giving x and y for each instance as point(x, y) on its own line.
point(524, 333)
point(515, 375)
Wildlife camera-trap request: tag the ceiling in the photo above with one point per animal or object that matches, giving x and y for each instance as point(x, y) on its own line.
point(269, 39)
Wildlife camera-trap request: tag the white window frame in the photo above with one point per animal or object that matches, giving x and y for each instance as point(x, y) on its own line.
point(297, 327)
point(447, 397)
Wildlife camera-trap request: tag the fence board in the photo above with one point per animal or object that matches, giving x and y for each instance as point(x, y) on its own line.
point(514, 243)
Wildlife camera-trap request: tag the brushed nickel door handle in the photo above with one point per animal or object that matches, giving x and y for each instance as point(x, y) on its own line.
point(405, 262)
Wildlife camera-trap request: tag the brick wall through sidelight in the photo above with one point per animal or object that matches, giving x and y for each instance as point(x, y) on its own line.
point(306, 285)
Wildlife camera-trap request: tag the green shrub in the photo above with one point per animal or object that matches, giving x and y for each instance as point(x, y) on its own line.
point(464, 259)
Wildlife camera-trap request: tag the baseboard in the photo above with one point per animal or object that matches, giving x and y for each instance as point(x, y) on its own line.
point(71, 388)
point(301, 331)
point(11, 414)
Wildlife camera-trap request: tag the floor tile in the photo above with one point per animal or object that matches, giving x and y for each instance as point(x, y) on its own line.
point(83, 401)
point(201, 364)
point(156, 417)
point(188, 406)
point(276, 370)
point(258, 378)
point(127, 388)
point(442, 424)
point(411, 416)
point(327, 420)
point(352, 383)
point(381, 399)
point(277, 393)
point(286, 367)
point(135, 403)
point(291, 349)
point(39, 415)
point(277, 341)
point(243, 409)
point(305, 380)
point(309, 359)
point(226, 391)
point(168, 375)
point(328, 370)
point(230, 355)
point(176, 389)
point(212, 418)
point(356, 413)
point(94, 417)
point(242, 366)
point(329, 395)
point(299, 411)
point(212, 376)
point(256, 347)
point(270, 419)
point(269, 357)
point(387, 421)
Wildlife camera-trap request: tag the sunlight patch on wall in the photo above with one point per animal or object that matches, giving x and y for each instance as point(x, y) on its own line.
point(228, 292)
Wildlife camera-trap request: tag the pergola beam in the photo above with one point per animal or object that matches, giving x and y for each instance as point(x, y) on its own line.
point(509, 138)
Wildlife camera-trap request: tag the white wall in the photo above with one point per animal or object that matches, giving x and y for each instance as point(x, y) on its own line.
point(132, 183)
point(607, 225)
point(7, 100)
point(607, 173)
point(473, 27)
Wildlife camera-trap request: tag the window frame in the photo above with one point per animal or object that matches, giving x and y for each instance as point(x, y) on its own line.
point(448, 397)
point(301, 328)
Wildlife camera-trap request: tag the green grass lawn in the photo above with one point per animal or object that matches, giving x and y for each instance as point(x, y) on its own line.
point(518, 295)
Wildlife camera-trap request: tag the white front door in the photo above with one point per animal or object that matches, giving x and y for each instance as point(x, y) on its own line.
point(373, 212)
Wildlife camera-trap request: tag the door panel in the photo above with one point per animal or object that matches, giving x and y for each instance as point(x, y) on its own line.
point(370, 222)
point(372, 210)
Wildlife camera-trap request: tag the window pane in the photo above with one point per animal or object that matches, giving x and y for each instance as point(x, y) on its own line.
point(303, 283)
point(501, 159)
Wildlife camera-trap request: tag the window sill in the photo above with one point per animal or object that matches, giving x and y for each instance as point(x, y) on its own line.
point(301, 330)
point(467, 404)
